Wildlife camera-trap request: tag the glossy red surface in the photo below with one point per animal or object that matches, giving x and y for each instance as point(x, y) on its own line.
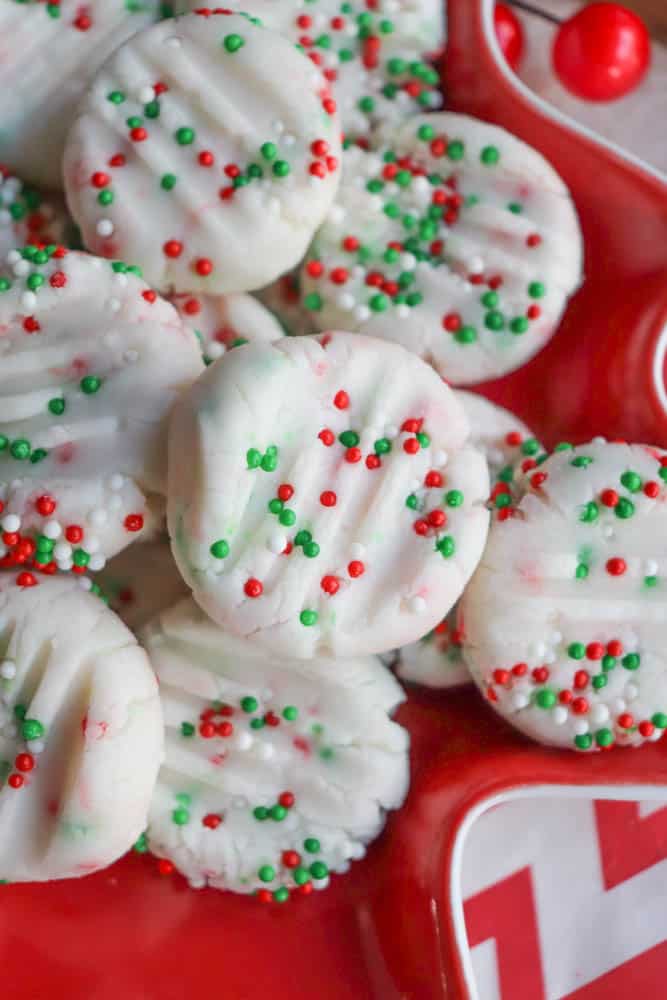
point(509, 34)
point(602, 52)
point(386, 930)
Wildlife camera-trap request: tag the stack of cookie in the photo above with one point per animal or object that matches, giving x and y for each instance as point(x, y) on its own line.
point(269, 515)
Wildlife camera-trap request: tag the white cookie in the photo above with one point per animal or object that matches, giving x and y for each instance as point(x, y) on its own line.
point(277, 771)
point(225, 321)
point(509, 448)
point(141, 581)
point(81, 734)
point(49, 53)
point(208, 150)
point(455, 240)
point(372, 54)
point(564, 620)
point(26, 216)
point(335, 506)
point(91, 360)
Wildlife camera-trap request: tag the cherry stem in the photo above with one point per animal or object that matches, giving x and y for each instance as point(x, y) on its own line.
point(529, 9)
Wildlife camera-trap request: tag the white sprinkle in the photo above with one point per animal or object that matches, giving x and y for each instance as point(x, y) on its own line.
point(244, 741)
point(519, 700)
point(631, 691)
point(240, 802)
point(599, 713)
point(11, 523)
point(580, 727)
point(215, 350)
point(104, 227)
point(620, 705)
point(146, 94)
point(98, 516)
point(13, 256)
point(288, 140)
point(97, 562)
point(92, 544)
point(357, 550)
point(362, 313)
point(440, 458)
point(346, 301)
point(608, 531)
point(29, 300)
point(114, 503)
point(113, 305)
point(173, 42)
point(266, 751)
point(537, 650)
point(278, 127)
point(391, 431)
point(320, 883)
point(21, 267)
point(559, 715)
point(116, 482)
point(35, 746)
point(62, 551)
point(656, 734)
point(417, 605)
point(276, 543)
point(120, 279)
point(475, 265)
point(336, 214)
point(8, 670)
point(651, 567)
point(64, 564)
point(85, 583)
point(408, 262)
point(403, 311)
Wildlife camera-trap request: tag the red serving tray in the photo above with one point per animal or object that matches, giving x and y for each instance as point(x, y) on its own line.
point(393, 927)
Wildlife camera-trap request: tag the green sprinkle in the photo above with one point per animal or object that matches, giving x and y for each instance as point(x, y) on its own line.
point(631, 481)
point(425, 133)
point(260, 813)
point(31, 729)
point(454, 498)
point(281, 895)
point(319, 870)
point(80, 557)
point(180, 816)
point(253, 458)
point(604, 737)
point(220, 549)
point(184, 136)
point(311, 550)
point(456, 150)
point(233, 43)
point(116, 97)
point(301, 876)
point(187, 729)
point(20, 449)
point(382, 446)
point(519, 324)
point(152, 109)
point(466, 335)
point(311, 845)
point(281, 168)
point(313, 302)
point(651, 581)
point(56, 407)
point(659, 720)
point(490, 156)
point(308, 617)
point(581, 571)
point(608, 662)
point(168, 182)
point(631, 661)
point(584, 741)
point(278, 813)
point(349, 439)
point(411, 501)
point(624, 508)
point(494, 320)
point(302, 537)
point(446, 546)
point(545, 698)
point(599, 681)
point(90, 384)
point(290, 712)
point(536, 290)
point(590, 512)
point(287, 517)
point(35, 281)
point(141, 845)
point(576, 650)
point(266, 873)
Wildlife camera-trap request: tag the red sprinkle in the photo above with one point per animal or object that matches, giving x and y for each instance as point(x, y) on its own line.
point(134, 522)
point(341, 400)
point(172, 248)
point(253, 588)
point(329, 584)
point(328, 498)
point(616, 566)
point(356, 568)
point(212, 821)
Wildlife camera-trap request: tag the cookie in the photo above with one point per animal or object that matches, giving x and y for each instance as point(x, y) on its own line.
point(456, 240)
point(373, 54)
point(225, 321)
point(564, 619)
point(50, 53)
point(509, 447)
point(91, 360)
point(81, 734)
point(333, 504)
point(208, 150)
point(277, 771)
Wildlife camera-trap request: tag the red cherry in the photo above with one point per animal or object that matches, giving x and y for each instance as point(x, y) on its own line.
point(602, 53)
point(509, 34)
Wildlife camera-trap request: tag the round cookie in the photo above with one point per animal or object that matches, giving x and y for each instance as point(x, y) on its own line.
point(277, 771)
point(456, 240)
point(225, 321)
point(81, 734)
point(335, 505)
point(564, 619)
point(509, 448)
point(91, 361)
point(372, 53)
point(141, 581)
point(50, 53)
point(194, 156)
point(26, 216)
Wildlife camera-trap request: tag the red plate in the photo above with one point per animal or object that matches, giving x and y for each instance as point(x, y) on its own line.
point(394, 927)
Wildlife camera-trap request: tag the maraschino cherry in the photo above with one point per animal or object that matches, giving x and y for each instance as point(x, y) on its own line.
point(602, 53)
point(509, 34)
